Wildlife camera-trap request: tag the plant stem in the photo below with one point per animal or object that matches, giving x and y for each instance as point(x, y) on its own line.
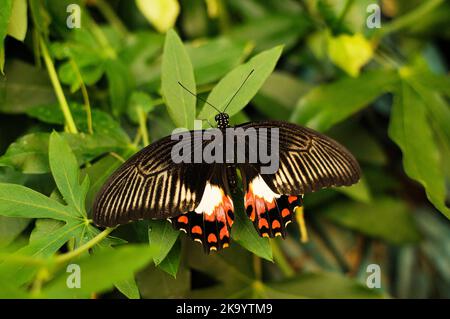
point(143, 125)
point(83, 248)
point(409, 18)
point(58, 89)
point(111, 16)
point(280, 260)
point(84, 92)
point(299, 215)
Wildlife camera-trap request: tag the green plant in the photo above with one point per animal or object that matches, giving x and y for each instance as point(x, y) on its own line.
point(111, 87)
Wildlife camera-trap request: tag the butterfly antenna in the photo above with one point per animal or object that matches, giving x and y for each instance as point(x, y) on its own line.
point(198, 97)
point(238, 90)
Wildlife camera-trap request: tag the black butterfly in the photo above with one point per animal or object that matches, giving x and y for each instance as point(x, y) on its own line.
point(196, 197)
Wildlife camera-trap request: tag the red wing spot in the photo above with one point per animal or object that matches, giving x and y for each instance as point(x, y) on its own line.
point(270, 205)
point(292, 199)
point(263, 222)
point(197, 230)
point(224, 232)
point(285, 212)
point(276, 224)
point(212, 238)
point(183, 219)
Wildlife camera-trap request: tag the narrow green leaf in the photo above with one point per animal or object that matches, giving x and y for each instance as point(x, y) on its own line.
point(177, 67)
point(410, 130)
point(121, 263)
point(162, 236)
point(359, 191)
point(5, 15)
point(171, 263)
point(129, 288)
point(44, 227)
point(18, 23)
point(386, 218)
point(262, 66)
point(329, 104)
point(20, 201)
point(64, 167)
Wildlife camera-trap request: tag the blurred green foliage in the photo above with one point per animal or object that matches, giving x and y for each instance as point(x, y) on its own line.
point(75, 103)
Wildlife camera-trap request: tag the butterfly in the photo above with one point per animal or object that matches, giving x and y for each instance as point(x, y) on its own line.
point(196, 197)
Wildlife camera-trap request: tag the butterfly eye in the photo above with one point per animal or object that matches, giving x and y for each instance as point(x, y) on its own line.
point(226, 115)
point(217, 117)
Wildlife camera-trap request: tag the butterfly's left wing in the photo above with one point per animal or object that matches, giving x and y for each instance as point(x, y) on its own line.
point(308, 161)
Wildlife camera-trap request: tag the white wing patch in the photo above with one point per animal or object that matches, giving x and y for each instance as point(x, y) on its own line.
point(212, 198)
point(260, 189)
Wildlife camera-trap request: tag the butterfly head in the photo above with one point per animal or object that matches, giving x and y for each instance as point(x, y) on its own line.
point(222, 120)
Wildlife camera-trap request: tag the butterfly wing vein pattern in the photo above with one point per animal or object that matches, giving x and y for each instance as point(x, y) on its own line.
point(195, 197)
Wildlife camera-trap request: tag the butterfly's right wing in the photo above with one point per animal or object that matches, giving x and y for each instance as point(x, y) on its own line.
point(150, 185)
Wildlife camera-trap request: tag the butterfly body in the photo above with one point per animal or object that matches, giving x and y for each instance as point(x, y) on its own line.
point(196, 197)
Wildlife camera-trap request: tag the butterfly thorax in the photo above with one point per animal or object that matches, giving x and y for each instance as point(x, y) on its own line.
point(222, 120)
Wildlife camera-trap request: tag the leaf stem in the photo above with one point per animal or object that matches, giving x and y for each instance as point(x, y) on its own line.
point(58, 88)
point(142, 116)
point(345, 10)
point(83, 248)
point(87, 103)
point(410, 17)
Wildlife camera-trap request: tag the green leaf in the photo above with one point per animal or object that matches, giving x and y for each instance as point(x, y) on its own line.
point(171, 263)
point(18, 22)
point(329, 104)
point(244, 233)
point(320, 285)
point(139, 102)
point(410, 130)
point(18, 92)
point(66, 173)
point(162, 14)
point(177, 67)
point(5, 15)
point(44, 227)
point(20, 201)
point(350, 52)
point(102, 122)
point(279, 95)
point(129, 288)
point(359, 191)
point(120, 85)
point(284, 30)
point(29, 153)
point(162, 236)
point(213, 59)
point(19, 272)
point(386, 218)
point(262, 65)
point(10, 228)
point(122, 262)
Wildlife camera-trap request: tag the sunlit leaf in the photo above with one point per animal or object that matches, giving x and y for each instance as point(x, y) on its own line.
point(350, 52)
point(262, 66)
point(410, 130)
point(162, 14)
point(177, 67)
